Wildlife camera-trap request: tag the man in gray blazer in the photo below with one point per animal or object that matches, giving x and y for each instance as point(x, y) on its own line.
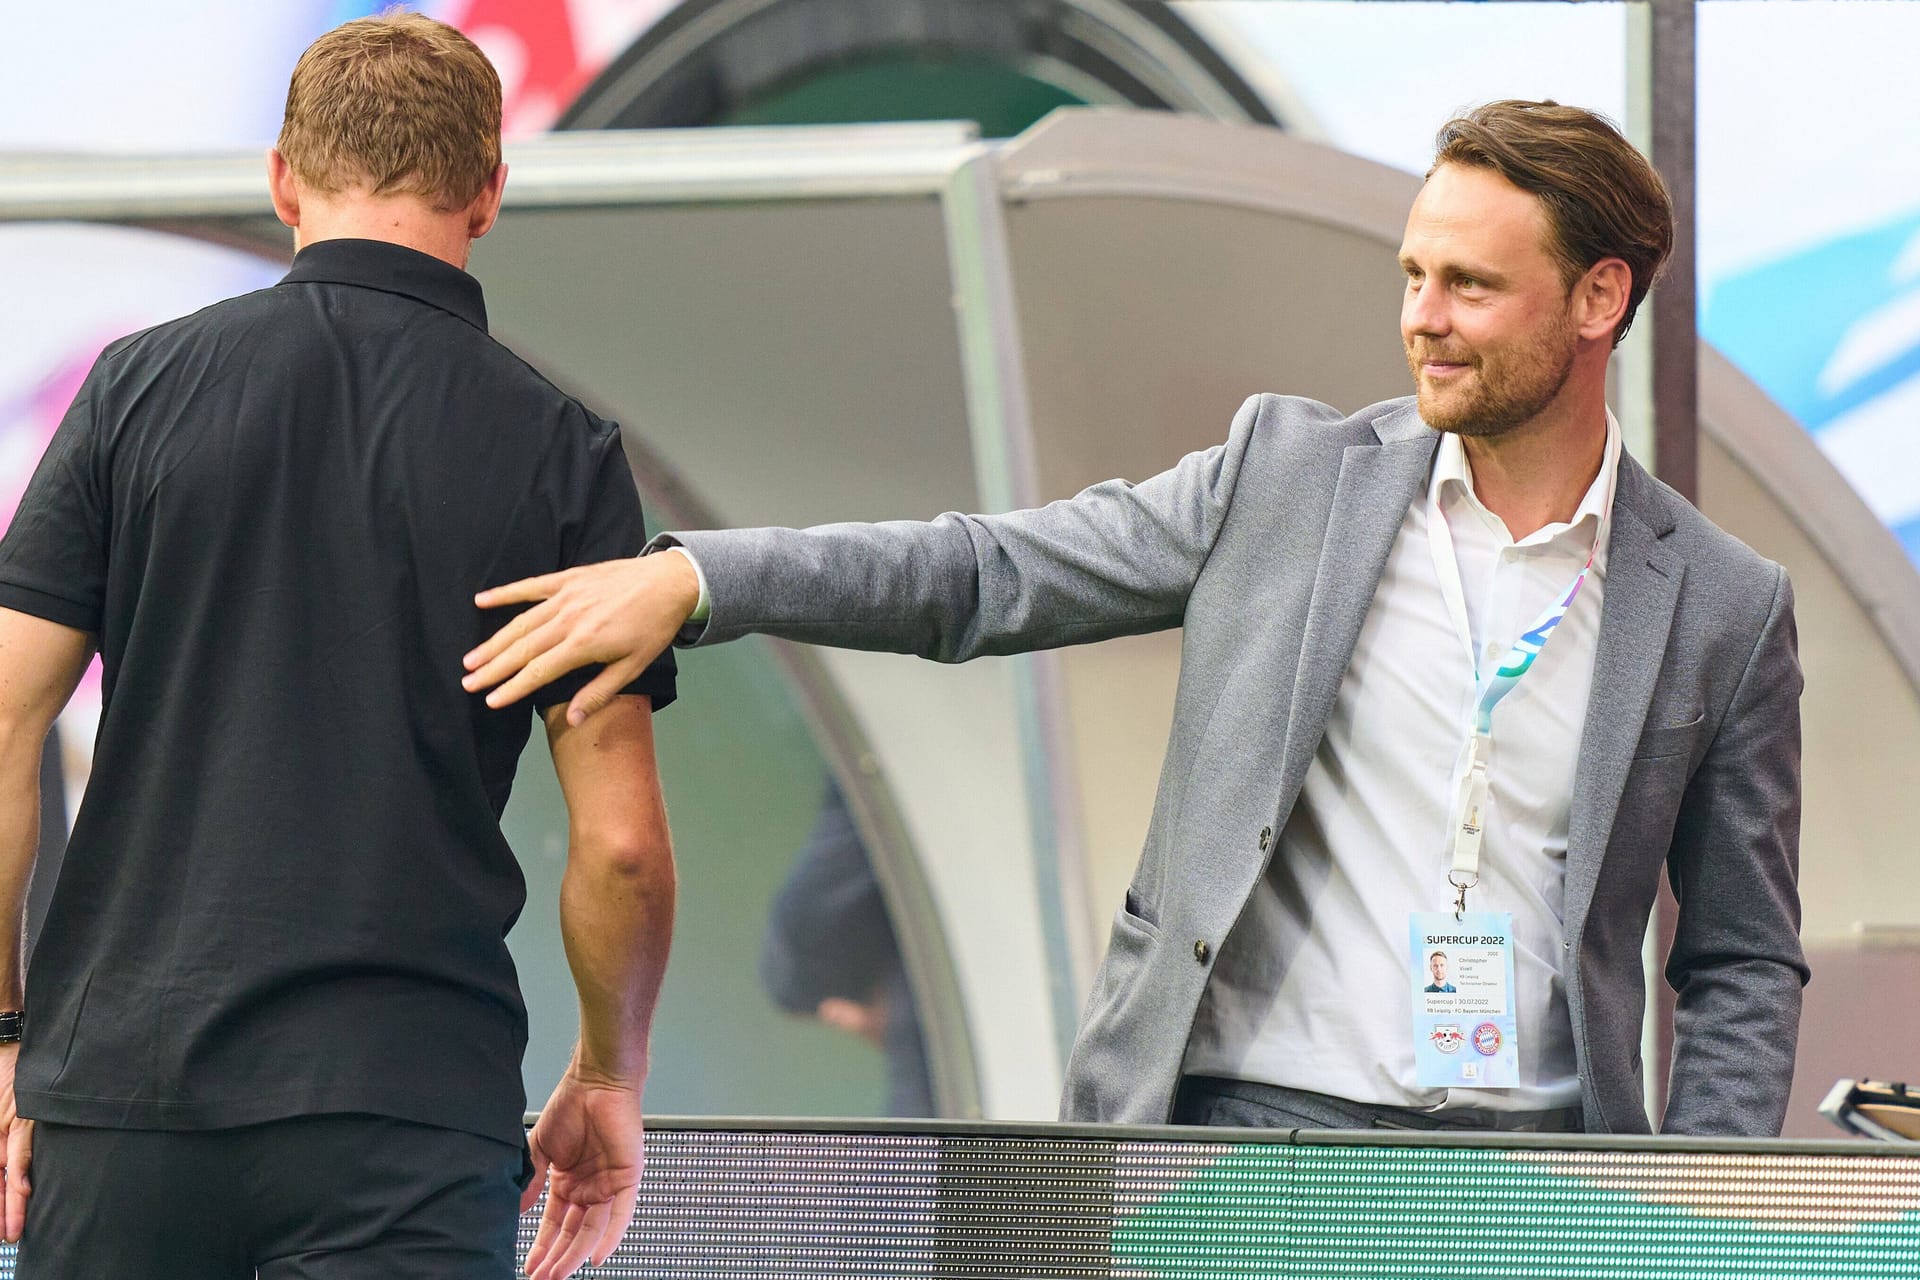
point(1453, 657)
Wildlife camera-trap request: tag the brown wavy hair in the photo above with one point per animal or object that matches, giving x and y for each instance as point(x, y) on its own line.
point(1602, 197)
point(395, 104)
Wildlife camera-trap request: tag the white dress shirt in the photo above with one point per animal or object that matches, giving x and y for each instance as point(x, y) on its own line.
point(1311, 989)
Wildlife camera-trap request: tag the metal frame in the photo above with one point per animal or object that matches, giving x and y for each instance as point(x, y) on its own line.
point(999, 417)
point(1051, 1131)
point(1676, 367)
point(643, 167)
point(1671, 108)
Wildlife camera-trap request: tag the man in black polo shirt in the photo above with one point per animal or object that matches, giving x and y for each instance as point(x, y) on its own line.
point(271, 1023)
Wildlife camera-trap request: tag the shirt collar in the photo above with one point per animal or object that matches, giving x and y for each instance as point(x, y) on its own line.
point(392, 268)
point(1451, 475)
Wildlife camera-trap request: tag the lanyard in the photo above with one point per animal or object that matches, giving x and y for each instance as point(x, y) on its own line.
point(1471, 801)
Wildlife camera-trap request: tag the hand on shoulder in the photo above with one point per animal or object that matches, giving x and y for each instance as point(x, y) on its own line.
point(621, 614)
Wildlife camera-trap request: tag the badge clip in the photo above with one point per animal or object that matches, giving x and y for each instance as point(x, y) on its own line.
point(1460, 895)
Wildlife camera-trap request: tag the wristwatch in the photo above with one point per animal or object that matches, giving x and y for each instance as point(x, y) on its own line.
point(12, 1022)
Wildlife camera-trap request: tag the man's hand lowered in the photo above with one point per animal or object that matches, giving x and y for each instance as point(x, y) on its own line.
point(622, 614)
point(588, 1151)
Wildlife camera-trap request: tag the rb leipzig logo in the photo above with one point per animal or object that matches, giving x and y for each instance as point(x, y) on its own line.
point(1486, 1039)
point(1447, 1037)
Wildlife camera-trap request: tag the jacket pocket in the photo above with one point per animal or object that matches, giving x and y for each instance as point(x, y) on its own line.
point(1129, 947)
point(1672, 740)
point(1134, 913)
point(1119, 1033)
point(1133, 940)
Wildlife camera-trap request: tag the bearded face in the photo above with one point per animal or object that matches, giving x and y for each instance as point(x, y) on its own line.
point(1488, 319)
point(1490, 388)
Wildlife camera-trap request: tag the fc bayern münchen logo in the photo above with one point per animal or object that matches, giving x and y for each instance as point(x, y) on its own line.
point(1486, 1039)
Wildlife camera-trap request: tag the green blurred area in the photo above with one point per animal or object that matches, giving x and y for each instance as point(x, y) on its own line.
point(913, 85)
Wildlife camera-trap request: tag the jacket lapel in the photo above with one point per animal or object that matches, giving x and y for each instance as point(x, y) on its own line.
point(1370, 499)
point(1642, 587)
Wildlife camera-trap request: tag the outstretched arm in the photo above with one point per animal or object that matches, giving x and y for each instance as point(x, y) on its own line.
point(1117, 559)
point(616, 917)
point(40, 663)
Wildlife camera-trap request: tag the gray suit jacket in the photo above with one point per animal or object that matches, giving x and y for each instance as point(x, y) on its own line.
point(1267, 549)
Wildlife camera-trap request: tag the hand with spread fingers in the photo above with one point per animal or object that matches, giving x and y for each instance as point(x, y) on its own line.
point(620, 614)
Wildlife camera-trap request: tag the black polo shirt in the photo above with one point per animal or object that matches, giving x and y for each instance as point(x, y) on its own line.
point(286, 891)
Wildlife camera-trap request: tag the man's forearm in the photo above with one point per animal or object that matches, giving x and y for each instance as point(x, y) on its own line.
point(40, 663)
point(616, 898)
point(616, 916)
point(19, 845)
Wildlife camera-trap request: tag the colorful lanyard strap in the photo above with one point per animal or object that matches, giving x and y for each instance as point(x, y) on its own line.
point(1465, 872)
point(1471, 802)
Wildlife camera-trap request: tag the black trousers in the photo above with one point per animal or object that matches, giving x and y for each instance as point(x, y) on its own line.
point(315, 1198)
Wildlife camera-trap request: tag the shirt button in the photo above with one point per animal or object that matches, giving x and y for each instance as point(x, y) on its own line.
point(1201, 951)
point(1266, 838)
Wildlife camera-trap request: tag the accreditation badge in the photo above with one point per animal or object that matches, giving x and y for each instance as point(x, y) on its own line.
point(1461, 973)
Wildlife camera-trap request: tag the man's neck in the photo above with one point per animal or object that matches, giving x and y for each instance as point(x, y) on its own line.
point(398, 221)
point(1536, 474)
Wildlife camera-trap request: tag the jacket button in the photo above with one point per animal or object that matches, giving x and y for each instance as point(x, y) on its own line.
point(1266, 838)
point(1201, 951)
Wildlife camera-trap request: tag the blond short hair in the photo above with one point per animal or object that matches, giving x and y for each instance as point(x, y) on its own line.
point(394, 105)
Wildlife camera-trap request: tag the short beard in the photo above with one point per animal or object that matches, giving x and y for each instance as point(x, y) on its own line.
point(1525, 381)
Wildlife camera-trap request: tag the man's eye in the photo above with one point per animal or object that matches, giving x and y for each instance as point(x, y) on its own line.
point(1467, 282)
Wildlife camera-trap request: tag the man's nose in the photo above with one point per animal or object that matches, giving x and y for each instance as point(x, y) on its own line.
point(1425, 311)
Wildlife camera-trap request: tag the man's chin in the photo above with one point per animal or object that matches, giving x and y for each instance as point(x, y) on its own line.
point(1443, 412)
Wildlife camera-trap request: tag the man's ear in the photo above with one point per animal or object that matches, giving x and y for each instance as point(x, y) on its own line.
point(280, 184)
point(1601, 297)
point(485, 209)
